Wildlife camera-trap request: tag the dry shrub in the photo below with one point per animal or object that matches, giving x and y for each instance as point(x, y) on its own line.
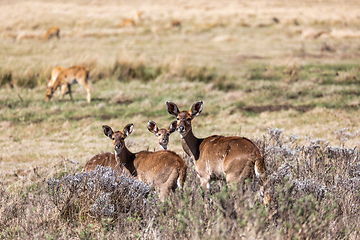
point(99, 193)
point(313, 193)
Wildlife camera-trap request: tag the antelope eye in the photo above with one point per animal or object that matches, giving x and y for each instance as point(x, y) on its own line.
point(113, 138)
point(178, 119)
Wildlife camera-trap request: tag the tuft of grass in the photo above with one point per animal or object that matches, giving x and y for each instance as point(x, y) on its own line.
point(125, 70)
point(6, 78)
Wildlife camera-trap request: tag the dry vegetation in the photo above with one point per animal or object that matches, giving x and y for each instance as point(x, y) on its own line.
point(259, 66)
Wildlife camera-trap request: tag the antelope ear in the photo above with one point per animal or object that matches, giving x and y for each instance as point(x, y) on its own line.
point(128, 129)
point(172, 127)
point(108, 131)
point(196, 109)
point(152, 127)
point(172, 109)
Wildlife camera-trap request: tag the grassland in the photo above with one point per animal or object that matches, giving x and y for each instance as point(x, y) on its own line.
point(257, 66)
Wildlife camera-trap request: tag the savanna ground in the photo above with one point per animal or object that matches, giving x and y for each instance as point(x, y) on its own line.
point(259, 66)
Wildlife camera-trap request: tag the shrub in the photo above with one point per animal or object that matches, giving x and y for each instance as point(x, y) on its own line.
point(99, 193)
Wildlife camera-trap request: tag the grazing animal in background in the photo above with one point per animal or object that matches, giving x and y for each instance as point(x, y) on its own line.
point(165, 170)
point(162, 134)
point(128, 22)
point(176, 24)
point(67, 77)
point(131, 21)
point(50, 33)
point(235, 157)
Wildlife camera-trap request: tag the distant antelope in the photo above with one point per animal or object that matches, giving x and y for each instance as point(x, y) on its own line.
point(132, 21)
point(175, 24)
point(67, 77)
point(51, 32)
point(128, 22)
point(235, 157)
point(162, 134)
point(165, 170)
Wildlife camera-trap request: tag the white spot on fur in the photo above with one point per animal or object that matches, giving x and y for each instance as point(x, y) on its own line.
point(256, 171)
point(178, 182)
point(208, 185)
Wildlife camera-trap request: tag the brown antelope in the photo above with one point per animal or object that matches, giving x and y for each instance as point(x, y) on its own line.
point(162, 134)
point(67, 77)
point(51, 32)
point(165, 170)
point(235, 157)
point(175, 24)
point(131, 21)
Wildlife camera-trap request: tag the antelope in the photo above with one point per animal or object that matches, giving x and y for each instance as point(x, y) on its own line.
point(165, 170)
point(175, 24)
point(130, 21)
point(51, 32)
point(127, 22)
point(162, 134)
point(67, 77)
point(236, 158)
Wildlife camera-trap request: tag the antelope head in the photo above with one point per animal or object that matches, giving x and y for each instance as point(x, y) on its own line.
point(49, 93)
point(184, 117)
point(162, 134)
point(118, 137)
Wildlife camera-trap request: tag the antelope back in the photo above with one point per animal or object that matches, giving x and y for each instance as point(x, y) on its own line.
point(79, 73)
point(229, 155)
point(103, 159)
point(158, 167)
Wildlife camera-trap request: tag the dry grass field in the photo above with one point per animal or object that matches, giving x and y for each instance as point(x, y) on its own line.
point(284, 73)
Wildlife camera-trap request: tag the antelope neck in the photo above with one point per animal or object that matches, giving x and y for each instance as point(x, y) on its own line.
point(162, 147)
point(126, 159)
point(191, 145)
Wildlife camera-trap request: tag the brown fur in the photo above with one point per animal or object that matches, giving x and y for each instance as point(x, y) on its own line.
point(50, 33)
point(127, 22)
point(103, 159)
point(54, 73)
point(131, 22)
point(161, 169)
point(216, 156)
point(175, 24)
point(67, 77)
point(162, 134)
